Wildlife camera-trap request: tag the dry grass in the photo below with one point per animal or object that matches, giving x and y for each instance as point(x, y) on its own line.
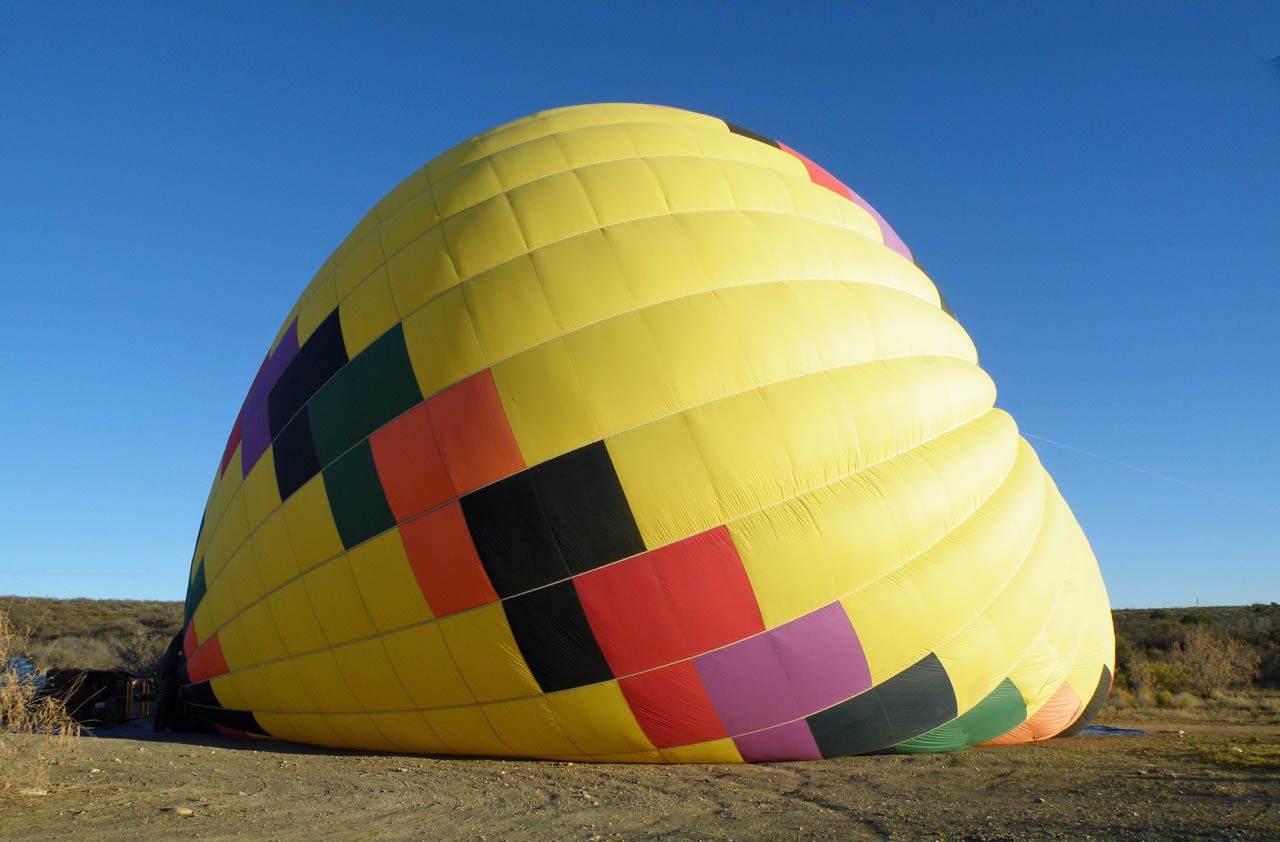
point(42, 725)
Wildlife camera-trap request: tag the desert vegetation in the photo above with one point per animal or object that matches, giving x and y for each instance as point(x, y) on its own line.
point(94, 633)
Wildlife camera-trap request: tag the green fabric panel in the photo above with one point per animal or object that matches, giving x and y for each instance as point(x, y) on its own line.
point(195, 592)
point(360, 508)
point(1002, 710)
point(366, 393)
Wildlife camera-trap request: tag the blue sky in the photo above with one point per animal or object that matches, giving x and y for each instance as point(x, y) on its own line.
point(1095, 189)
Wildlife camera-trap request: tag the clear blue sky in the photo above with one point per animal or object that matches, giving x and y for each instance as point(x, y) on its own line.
point(1096, 190)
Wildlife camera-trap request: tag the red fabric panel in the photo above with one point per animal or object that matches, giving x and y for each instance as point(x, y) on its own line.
point(444, 561)
point(208, 661)
point(409, 464)
point(818, 175)
point(232, 443)
point(473, 434)
point(189, 642)
point(672, 706)
point(671, 603)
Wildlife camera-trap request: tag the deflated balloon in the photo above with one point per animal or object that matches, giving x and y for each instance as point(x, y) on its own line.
point(623, 433)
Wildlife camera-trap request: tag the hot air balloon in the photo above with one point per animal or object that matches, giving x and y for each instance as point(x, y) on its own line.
point(623, 433)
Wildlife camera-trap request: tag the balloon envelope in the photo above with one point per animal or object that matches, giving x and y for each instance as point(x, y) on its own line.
point(620, 432)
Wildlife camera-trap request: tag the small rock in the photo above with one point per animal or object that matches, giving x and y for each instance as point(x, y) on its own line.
point(402, 769)
point(1040, 800)
point(34, 792)
point(184, 811)
point(242, 792)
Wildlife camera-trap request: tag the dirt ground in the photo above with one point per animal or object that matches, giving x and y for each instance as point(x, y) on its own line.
point(1211, 782)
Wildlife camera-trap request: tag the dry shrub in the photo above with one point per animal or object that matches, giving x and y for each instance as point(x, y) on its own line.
point(39, 724)
point(1213, 663)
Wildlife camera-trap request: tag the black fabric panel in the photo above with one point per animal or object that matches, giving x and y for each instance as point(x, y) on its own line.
point(184, 678)
point(295, 456)
point(316, 361)
point(1096, 701)
point(512, 536)
point(199, 694)
point(555, 638)
point(241, 720)
point(586, 508)
point(855, 726)
point(736, 129)
point(916, 700)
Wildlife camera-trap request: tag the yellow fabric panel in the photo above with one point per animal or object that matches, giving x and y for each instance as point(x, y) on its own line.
point(261, 635)
point(278, 725)
point(201, 622)
point(812, 201)
point(322, 680)
point(367, 313)
point(222, 606)
point(226, 688)
point(286, 686)
point(716, 751)
point(466, 731)
point(274, 551)
point(509, 308)
point(359, 731)
point(534, 159)
point(409, 731)
point(331, 587)
point(315, 729)
point(415, 217)
point(442, 343)
point(653, 756)
point(420, 271)
point(234, 527)
point(545, 404)
point(483, 236)
point(322, 301)
point(425, 667)
point(900, 618)
point(529, 727)
point(235, 646)
point(368, 672)
point(666, 483)
point(591, 144)
point(983, 652)
point(552, 209)
point(255, 695)
point(597, 719)
point(296, 619)
point(487, 655)
point(261, 492)
point(810, 550)
point(364, 257)
point(241, 576)
point(465, 187)
point(312, 531)
point(386, 583)
point(692, 184)
point(566, 268)
point(622, 190)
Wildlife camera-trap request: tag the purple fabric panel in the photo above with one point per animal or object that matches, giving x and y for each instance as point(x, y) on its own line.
point(891, 238)
point(748, 685)
point(256, 424)
point(787, 673)
point(823, 658)
point(793, 741)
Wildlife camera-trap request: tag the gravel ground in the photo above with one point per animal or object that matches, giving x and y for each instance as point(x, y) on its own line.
point(1210, 782)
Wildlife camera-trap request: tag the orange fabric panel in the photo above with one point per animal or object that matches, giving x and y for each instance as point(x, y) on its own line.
point(472, 431)
point(1058, 713)
point(409, 464)
point(444, 561)
point(207, 662)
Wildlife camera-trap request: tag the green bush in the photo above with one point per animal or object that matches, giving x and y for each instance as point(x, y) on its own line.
point(1164, 699)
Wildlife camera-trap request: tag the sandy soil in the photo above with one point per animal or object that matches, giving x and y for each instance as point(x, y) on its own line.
point(1213, 782)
